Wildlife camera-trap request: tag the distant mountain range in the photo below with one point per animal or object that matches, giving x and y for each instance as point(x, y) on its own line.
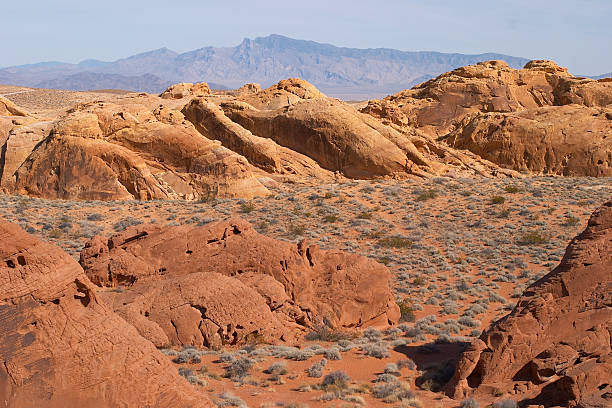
point(608, 75)
point(348, 73)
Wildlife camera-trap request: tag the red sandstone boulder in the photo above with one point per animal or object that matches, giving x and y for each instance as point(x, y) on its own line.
point(297, 285)
point(60, 346)
point(556, 343)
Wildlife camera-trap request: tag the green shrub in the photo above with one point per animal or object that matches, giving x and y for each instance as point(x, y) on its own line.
point(511, 189)
point(532, 238)
point(395, 242)
point(497, 200)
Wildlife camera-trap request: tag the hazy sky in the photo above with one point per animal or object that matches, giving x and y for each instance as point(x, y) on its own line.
point(575, 33)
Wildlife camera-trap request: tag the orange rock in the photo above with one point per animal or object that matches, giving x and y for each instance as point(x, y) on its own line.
point(60, 345)
point(297, 285)
point(185, 89)
point(558, 338)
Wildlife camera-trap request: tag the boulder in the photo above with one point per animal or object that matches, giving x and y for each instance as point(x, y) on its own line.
point(439, 105)
point(557, 340)
point(569, 140)
point(262, 152)
point(185, 89)
point(295, 284)
point(8, 108)
point(127, 150)
point(60, 345)
point(16, 148)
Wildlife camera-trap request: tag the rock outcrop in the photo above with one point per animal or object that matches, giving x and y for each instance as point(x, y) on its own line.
point(570, 140)
point(213, 271)
point(262, 152)
point(185, 89)
point(518, 119)
point(8, 108)
point(554, 348)
point(61, 346)
point(129, 150)
point(291, 127)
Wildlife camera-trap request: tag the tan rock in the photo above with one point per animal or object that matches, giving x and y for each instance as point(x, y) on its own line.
point(571, 140)
point(17, 147)
point(128, 151)
point(185, 89)
point(439, 106)
point(61, 346)
point(8, 108)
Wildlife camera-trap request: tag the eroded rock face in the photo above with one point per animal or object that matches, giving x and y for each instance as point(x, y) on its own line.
point(571, 140)
point(8, 108)
point(287, 286)
point(438, 106)
point(106, 151)
point(185, 89)
point(556, 342)
point(61, 346)
point(292, 128)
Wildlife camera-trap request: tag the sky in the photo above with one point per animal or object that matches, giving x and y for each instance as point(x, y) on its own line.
point(575, 33)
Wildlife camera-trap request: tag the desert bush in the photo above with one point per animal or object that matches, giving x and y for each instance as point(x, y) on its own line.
point(395, 242)
point(337, 380)
point(512, 189)
point(505, 404)
point(498, 200)
point(227, 399)
point(239, 368)
point(391, 368)
point(532, 238)
point(316, 370)
point(372, 334)
point(188, 355)
point(406, 311)
point(426, 195)
point(333, 353)
point(406, 364)
point(376, 350)
point(278, 368)
point(125, 223)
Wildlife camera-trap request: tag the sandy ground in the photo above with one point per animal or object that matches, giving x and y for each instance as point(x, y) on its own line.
point(460, 250)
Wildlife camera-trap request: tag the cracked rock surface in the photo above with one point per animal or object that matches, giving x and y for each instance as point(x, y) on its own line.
point(60, 345)
point(233, 284)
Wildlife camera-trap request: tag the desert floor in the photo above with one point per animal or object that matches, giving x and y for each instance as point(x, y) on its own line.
point(461, 252)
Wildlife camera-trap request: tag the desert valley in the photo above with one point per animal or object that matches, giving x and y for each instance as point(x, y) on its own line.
point(449, 245)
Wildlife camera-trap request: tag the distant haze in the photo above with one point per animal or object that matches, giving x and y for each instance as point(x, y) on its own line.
point(347, 73)
point(576, 34)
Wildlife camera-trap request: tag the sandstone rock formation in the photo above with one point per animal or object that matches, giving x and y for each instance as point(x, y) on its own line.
point(570, 140)
point(16, 148)
point(213, 271)
point(554, 348)
point(262, 152)
point(128, 150)
point(8, 108)
point(61, 346)
point(519, 119)
point(185, 89)
point(290, 126)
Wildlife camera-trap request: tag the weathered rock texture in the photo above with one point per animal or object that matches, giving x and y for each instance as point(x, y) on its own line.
point(519, 119)
point(555, 345)
point(185, 89)
point(291, 126)
point(8, 108)
point(232, 284)
point(61, 346)
point(127, 150)
point(570, 140)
